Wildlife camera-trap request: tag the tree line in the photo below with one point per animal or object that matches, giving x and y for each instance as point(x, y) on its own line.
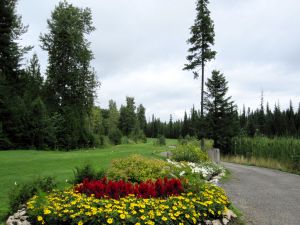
point(56, 110)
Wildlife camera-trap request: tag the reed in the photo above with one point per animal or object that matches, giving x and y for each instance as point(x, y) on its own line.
point(279, 153)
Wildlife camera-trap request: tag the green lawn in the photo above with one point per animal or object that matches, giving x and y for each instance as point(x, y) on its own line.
point(23, 165)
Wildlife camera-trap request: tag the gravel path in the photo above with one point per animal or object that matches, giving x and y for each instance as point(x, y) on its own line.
point(266, 197)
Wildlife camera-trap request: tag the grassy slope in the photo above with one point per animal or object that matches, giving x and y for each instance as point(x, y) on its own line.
point(23, 165)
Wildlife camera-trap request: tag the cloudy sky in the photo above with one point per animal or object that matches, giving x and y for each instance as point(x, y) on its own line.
point(140, 49)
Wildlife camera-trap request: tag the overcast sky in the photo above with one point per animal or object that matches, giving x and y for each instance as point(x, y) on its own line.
point(140, 49)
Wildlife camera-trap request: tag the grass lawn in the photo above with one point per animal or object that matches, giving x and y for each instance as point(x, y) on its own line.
point(23, 165)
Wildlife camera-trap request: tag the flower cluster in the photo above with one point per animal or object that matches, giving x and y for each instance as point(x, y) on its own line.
point(69, 207)
point(116, 189)
point(205, 169)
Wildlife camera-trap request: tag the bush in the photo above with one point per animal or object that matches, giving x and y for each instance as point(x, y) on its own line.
point(136, 168)
point(161, 140)
point(189, 153)
point(115, 136)
point(188, 139)
point(87, 172)
point(138, 135)
point(20, 194)
point(104, 141)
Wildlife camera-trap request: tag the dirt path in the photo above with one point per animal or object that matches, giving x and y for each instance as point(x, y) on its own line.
point(266, 197)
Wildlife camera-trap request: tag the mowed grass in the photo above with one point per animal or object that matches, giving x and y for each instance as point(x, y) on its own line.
point(23, 165)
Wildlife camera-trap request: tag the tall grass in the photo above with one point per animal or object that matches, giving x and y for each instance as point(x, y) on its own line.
point(284, 150)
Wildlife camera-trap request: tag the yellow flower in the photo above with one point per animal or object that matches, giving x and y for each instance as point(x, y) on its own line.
point(110, 220)
point(47, 211)
point(187, 216)
point(80, 223)
point(122, 216)
point(164, 218)
point(40, 218)
point(137, 223)
point(143, 217)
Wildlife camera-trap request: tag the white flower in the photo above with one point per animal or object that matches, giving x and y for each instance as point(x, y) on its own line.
point(181, 173)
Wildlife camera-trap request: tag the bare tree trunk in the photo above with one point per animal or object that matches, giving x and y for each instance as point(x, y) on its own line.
point(201, 116)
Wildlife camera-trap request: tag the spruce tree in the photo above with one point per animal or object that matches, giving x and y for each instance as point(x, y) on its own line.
point(221, 112)
point(200, 52)
point(70, 84)
point(185, 126)
point(141, 117)
point(13, 110)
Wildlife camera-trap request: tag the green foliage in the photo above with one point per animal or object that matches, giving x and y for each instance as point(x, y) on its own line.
point(70, 84)
point(161, 140)
point(128, 119)
point(189, 153)
point(87, 172)
point(202, 38)
point(141, 118)
point(137, 168)
point(284, 150)
point(21, 193)
point(138, 136)
point(221, 112)
point(115, 136)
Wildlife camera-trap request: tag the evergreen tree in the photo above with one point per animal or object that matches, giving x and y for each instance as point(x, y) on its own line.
point(13, 110)
point(42, 133)
point(170, 133)
point(141, 118)
point(185, 125)
point(113, 115)
point(70, 84)
point(200, 53)
point(221, 112)
point(128, 119)
point(34, 80)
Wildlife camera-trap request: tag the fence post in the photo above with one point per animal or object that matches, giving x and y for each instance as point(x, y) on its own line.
point(214, 155)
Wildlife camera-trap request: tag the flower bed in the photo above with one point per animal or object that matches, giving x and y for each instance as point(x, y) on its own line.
point(115, 189)
point(71, 207)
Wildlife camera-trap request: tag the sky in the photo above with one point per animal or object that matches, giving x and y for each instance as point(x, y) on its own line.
point(140, 49)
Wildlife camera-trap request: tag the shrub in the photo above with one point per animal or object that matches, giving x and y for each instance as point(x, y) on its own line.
point(161, 140)
point(189, 153)
point(87, 172)
point(138, 135)
point(117, 189)
point(115, 136)
point(137, 168)
point(20, 194)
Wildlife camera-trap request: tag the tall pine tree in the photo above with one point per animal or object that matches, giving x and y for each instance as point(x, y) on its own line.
point(221, 112)
point(200, 53)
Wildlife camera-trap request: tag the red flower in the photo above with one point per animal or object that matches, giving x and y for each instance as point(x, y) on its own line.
point(117, 189)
